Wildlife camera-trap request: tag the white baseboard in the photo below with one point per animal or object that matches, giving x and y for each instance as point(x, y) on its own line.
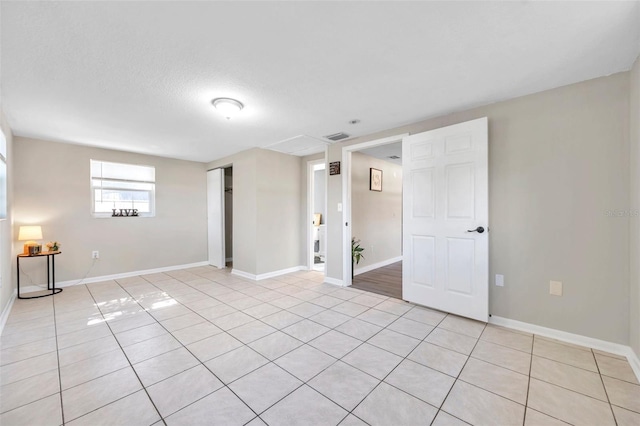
point(376, 265)
point(334, 281)
point(7, 310)
point(243, 274)
point(268, 274)
point(90, 280)
point(576, 339)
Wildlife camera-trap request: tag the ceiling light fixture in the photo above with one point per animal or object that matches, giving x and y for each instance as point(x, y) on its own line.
point(227, 107)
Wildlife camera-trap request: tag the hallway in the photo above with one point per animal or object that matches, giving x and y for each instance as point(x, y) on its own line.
point(386, 281)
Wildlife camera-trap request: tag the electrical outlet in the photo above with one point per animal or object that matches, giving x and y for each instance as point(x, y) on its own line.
point(500, 280)
point(555, 288)
point(95, 254)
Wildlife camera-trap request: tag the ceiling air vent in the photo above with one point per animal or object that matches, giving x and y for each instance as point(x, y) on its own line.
point(337, 136)
point(394, 157)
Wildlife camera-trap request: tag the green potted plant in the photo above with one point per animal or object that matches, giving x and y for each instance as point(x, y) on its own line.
point(356, 254)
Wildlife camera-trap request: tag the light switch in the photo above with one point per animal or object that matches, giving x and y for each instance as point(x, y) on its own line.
point(339, 207)
point(500, 280)
point(555, 288)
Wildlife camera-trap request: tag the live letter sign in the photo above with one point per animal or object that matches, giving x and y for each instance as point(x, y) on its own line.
point(124, 213)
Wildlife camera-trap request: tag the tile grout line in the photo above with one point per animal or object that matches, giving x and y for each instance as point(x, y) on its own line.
point(393, 369)
point(526, 400)
point(270, 361)
point(130, 364)
point(192, 354)
point(595, 359)
point(55, 328)
point(458, 376)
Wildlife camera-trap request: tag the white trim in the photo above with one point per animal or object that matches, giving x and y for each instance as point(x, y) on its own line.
point(377, 265)
point(576, 339)
point(216, 220)
point(308, 249)
point(243, 274)
point(268, 274)
point(7, 310)
point(346, 196)
point(334, 281)
point(90, 280)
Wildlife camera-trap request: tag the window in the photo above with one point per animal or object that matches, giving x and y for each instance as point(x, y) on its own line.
point(3, 176)
point(122, 186)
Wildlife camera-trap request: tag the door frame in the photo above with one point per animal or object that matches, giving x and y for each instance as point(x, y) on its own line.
point(346, 197)
point(211, 232)
point(309, 217)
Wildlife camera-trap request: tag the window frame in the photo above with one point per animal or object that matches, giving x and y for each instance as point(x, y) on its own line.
point(4, 187)
point(92, 188)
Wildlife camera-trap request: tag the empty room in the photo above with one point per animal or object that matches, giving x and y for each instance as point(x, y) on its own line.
point(320, 213)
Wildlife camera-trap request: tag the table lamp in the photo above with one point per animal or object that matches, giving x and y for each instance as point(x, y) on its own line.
point(29, 234)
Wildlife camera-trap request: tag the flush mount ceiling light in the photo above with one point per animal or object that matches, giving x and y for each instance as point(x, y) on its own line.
point(227, 107)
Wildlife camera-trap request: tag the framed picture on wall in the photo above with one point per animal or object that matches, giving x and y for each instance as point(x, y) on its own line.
point(375, 180)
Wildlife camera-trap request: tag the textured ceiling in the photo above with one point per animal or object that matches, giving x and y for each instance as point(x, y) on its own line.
point(139, 76)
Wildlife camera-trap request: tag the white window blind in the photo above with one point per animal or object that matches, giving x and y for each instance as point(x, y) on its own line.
point(3, 176)
point(122, 186)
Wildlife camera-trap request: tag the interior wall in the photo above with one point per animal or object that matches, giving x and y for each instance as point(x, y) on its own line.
point(228, 213)
point(52, 189)
point(278, 237)
point(319, 194)
point(634, 121)
point(376, 217)
point(8, 282)
point(244, 207)
point(558, 163)
point(266, 204)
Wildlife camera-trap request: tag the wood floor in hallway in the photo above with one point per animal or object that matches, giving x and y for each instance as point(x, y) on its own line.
point(386, 280)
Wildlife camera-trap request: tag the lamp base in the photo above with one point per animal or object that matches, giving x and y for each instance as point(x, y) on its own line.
point(32, 248)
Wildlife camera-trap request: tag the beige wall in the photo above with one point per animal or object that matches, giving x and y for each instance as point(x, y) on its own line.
point(558, 160)
point(266, 206)
point(278, 237)
point(376, 217)
point(52, 189)
point(244, 207)
point(8, 282)
point(634, 114)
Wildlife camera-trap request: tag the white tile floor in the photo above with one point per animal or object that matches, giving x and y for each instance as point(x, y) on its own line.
point(200, 346)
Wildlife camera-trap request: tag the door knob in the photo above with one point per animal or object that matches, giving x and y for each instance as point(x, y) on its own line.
point(479, 230)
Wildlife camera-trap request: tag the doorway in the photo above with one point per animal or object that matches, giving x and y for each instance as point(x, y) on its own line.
point(347, 201)
point(316, 214)
point(220, 216)
point(376, 218)
point(446, 219)
point(445, 263)
point(228, 216)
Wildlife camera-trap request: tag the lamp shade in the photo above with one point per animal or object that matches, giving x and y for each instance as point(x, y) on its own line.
point(27, 233)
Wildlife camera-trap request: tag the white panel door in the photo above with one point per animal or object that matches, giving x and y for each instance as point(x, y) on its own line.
point(215, 208)
point(446, 216)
